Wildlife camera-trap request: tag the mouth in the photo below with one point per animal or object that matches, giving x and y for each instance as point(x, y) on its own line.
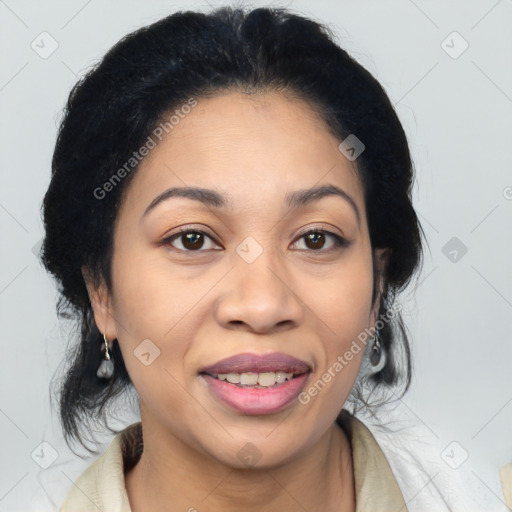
point(253, 384)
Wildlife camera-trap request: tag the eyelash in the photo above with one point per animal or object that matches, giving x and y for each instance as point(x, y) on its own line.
point(339, 241)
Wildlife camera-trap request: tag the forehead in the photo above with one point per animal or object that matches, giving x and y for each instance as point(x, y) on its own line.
point(249, 146)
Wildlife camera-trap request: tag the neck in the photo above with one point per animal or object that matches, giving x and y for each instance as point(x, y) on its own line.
point(179, 478)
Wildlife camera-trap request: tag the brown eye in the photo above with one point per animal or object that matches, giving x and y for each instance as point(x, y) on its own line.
point(190, 241)
point(317, 239)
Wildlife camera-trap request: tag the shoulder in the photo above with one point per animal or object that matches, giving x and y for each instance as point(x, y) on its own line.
point(418, 460)
point(375, 483)
point(102, 485)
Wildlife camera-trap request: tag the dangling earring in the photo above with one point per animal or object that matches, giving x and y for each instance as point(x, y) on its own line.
point(376, 354)
point(106, 369)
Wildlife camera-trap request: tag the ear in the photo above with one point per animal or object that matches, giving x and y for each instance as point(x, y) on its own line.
point(101, 303)
point(381, 262)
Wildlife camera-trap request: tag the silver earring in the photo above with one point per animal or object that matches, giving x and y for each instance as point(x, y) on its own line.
point(376, 353)
point(106, 369)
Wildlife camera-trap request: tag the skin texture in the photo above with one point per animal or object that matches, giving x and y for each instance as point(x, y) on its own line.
point(309, 301)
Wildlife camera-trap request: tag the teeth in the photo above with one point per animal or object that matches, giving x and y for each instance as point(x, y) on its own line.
point(249, 379)
point(267, 378)
point(281, 376)
point(264, 379)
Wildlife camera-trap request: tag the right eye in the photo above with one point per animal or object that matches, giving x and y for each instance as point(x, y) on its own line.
point(191, 240)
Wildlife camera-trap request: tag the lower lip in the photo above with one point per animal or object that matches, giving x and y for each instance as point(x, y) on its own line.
point(256, 401)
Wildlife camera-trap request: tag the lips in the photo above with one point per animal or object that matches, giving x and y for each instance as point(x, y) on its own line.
point(252, 363)
point(253, 384)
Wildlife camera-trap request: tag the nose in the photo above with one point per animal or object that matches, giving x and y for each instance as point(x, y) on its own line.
point(259, 298)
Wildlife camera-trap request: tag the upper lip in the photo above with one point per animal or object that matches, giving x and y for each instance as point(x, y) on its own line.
point(254, 363)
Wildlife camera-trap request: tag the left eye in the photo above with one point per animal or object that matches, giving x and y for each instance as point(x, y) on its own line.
point(315, 240)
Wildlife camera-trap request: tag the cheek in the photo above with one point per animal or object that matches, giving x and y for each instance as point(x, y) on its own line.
point(342, 308)
point(149, 298)
point(147, 307)
point(343, 299)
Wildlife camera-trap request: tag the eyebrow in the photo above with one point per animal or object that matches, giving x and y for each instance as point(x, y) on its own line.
point(296, 199)
point(307, 196)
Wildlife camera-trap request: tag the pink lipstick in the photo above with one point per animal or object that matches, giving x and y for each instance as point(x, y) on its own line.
point(257, 384)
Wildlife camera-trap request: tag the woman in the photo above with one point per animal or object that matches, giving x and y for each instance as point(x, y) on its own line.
point(230, 219)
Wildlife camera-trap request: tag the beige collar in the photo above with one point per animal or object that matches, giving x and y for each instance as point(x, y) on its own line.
point(506, 483)
point(102, 487)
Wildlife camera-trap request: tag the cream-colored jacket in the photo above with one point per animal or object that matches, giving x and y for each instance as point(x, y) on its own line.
point(102, 487)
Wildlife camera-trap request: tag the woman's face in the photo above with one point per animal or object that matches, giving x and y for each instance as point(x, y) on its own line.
point(198, 280)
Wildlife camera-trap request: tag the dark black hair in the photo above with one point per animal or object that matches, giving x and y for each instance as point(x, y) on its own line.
point(115, 107)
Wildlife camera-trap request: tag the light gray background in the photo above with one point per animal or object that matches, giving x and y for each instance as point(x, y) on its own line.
point(457, 115)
